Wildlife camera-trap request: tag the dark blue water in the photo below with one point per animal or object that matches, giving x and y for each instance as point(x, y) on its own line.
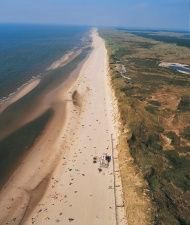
point(27, 50)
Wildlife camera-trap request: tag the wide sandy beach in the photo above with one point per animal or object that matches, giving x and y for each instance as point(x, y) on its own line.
point(59, 181)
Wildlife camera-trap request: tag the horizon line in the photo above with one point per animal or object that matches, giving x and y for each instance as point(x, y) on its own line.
point(98, 26)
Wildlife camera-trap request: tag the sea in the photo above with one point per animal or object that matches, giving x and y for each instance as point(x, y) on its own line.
point(26, 51)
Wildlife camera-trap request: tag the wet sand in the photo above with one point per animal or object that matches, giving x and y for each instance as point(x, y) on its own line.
point(59, 182)
point(22, 91)
point(65, 59)
point(44, 96)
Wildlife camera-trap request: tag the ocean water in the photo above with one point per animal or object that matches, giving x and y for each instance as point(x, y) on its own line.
point(27, 51)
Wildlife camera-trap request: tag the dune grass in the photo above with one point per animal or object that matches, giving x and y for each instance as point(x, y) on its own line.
point(154, 109)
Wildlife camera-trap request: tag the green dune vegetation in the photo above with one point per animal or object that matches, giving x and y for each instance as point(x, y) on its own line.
point(154, 106)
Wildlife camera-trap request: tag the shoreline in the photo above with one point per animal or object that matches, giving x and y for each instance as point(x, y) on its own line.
point(18, 93)
point(27, 87)
point(40, 98)
point(74, 142)
point(58, 103)
point(30, 133)
point(68, 57)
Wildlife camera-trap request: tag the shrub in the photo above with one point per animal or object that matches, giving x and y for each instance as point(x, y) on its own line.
point(186, 133)
point(184, 104)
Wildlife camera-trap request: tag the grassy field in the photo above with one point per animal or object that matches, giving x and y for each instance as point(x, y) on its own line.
point(154, 105)
point(177, 38)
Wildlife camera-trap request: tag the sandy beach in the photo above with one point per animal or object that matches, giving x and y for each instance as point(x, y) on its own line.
point(60, 180)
